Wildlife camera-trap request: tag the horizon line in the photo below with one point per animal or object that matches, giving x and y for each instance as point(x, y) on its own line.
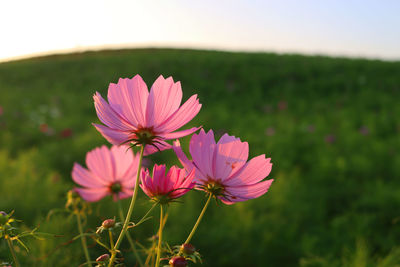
point(128, 46)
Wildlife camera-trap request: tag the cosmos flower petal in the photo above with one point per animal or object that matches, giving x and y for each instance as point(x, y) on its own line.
point(85, 178)
point(164, 186)
point(108, 116)
point(125, 162)
point(92, 194)
point(164, 99)
point(125, 193)
point(134, 114)
point(230, 155)
point(110, 173)
point(201, 148)
point(186, 163)
point(179, 134)
point(115, 137)
point(182, 116)
point(254, 171)
point(223, 165)
point(161, 145)
point(129, 98)
point(101, 163)
point(249, 191)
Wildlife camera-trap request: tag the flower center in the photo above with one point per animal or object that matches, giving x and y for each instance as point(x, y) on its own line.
point(214, 188)
point(162, 199)
point(145, 136)
point(115, 188)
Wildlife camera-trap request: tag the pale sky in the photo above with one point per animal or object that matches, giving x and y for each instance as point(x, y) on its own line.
point(355, 28)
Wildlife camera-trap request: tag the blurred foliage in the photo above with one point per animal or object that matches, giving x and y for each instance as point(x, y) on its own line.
point(330, 125)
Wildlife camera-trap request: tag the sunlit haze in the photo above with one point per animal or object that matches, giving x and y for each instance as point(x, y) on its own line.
point(345, 28)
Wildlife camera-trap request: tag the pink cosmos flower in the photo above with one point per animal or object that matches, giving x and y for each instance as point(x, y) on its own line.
point(132, 114)
point(110, 172)
point(222, 168)
point(164, 187)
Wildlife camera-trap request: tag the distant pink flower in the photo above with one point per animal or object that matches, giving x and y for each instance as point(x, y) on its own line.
point(164, 187)
point(44, 128)
point(270, 131)
point(311, 128)
point(282, 105)
point(67, 132)
point(110, 172)
point(222, 168)
point(1, 110)
point(330, 138)
point(364, 130)
point(132, 114)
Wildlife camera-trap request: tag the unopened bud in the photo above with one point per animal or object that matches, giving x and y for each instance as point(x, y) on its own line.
point(3, 217)
point(178, 261)
point(109, 223)
point(188, 249)
point(102, 258)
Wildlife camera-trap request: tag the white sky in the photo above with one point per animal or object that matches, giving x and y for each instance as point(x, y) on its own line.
point(364, 28)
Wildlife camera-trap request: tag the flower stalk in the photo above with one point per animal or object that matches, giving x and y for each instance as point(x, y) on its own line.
point(14, 255)
point(129, 214)
point(198, 220)
point(128, 235)
point(83, 240)
point(160, 236)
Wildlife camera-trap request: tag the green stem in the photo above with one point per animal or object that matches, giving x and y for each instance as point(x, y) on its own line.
point(145, 216)
point(111, 238)
point(10, 245)
point(128, 235)
point(83, 239)
point(160, 237)
point(129, 214)
point(198, 220)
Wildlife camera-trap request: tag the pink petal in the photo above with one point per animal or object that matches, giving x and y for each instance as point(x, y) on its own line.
point(115, 137)
point(126, 163)
point(129, 97)
point(146, 184)
point(179, 134)
point(84, 178)
point(201, 148)
point(92, 194)
point(148, 149)
point(164, 99)
point(125, 193)
point(159, 177)
point(254, 171)
point(230, 155)
point(248, 191)
point(186, 163)
point(101, 163)
point(109, 117)
point(182, 116)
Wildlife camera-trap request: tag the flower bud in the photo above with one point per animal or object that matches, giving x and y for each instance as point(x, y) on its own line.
point(188, 249)
point(102, 258)
point(3, 217)
point(109, 223)
point(178, 261)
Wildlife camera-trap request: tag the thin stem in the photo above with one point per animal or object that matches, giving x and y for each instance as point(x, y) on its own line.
point(10, 245)
point(83, 239)
point(147, 213)
point(160, 237)
point(129, 214)
point(128, 235)
point(198, 220)
point(111, 238)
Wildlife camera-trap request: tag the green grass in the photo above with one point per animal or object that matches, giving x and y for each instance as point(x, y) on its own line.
point(332, 204)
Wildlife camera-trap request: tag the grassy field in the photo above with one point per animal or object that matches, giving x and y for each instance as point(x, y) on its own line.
point(330, 125)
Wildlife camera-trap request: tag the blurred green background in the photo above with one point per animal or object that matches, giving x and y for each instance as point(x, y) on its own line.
point(330, 125)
